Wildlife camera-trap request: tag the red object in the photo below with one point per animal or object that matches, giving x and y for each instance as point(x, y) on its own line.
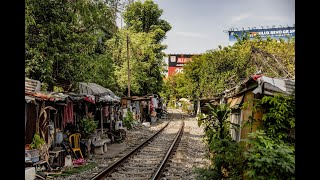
point(174, 70)
point(89, 99)
point(79, 161)
point(151, 105)
point(68, 113)
point(255, 77)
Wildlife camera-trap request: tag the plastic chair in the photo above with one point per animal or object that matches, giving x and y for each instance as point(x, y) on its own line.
point(74, 140)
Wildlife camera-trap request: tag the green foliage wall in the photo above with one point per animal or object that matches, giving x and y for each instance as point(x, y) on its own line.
point(223, 68)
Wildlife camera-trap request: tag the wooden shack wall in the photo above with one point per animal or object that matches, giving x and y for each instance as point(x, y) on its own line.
point(246, 112)
point(31, 122)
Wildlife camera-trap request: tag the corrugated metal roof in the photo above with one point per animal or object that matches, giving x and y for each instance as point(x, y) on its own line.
point(95, 89)
point(260, 84)
point(274, 85)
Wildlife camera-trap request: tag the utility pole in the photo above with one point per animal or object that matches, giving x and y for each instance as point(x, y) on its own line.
point(128, 65)
point(128, 100)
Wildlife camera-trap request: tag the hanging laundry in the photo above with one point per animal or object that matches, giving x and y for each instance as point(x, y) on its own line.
point(68, 113)
point(105, 111)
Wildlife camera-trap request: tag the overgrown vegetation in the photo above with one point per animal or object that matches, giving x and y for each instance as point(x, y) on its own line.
point(279, 118)
point(87, 126)
point(128, 120)
point(268, 158)
point(225, 154)
point(78, 41)
point(71, 171)
point(223, 68)
point(268, 153)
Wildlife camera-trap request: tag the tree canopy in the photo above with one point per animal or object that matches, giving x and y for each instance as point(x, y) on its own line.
point(78, 41)
point(223, 68)
point(64, 40)
point(144, 32)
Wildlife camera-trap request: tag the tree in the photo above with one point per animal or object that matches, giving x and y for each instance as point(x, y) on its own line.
point(145, 17)
point(64, 40)
point(145, 31)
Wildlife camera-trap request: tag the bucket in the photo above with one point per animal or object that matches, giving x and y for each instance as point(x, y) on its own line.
point(33, 152)
point(59, 137)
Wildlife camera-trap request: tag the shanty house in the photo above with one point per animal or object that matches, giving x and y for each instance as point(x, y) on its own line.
point(242, 100)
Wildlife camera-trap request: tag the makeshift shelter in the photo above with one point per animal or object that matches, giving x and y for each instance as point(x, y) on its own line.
point(107, 102)
point(53, 114)
point(254, 87)
point(142, 106)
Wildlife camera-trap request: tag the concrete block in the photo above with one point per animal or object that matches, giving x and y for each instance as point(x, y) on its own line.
point(30, 173)
point(68, 161)
point(98, 150)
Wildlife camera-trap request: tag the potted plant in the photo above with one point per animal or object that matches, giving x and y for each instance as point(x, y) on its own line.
point(87, 127)
point(36, 146)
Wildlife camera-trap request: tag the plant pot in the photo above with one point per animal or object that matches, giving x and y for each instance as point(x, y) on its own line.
point(34, 152)
point(35, 159)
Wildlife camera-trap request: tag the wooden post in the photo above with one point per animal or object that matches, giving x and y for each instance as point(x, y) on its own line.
point(101, 119)
point(128, 66)
point(86, 109)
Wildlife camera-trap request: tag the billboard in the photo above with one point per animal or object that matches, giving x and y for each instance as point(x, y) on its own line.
point(174, 70)
point(177, 61)
point(274, 33)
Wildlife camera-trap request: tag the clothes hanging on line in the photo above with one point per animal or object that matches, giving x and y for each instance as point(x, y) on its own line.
point(68, 113)
point(105, 111)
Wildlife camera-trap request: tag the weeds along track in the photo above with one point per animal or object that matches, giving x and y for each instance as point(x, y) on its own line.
point(147, 160)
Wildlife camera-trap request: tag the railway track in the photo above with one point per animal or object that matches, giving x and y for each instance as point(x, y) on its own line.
point(147, 160)
point(175, 168)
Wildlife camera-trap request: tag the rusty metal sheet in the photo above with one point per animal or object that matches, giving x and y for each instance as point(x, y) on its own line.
point(236, 101)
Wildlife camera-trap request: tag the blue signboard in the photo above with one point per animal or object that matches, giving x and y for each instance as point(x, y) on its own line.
point(274, 33)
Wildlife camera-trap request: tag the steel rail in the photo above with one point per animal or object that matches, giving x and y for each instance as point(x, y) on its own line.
point(102, 174)
point(158, 173)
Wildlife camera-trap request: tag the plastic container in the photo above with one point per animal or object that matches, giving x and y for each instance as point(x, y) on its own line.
point(59, 138)
point(33, 152)
point(35, 159)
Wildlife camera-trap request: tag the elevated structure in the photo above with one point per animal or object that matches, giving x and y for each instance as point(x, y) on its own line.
point(283, 32)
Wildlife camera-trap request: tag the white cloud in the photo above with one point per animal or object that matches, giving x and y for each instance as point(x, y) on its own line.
point(274, 18)
point(190, 34)
point(241, 17)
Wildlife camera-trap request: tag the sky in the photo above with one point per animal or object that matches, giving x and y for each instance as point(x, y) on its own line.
point(198, 25)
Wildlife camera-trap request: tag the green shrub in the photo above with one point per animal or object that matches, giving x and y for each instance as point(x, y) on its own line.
point(87, 126)
point(268, 158)
point(37, 142)
point(227, 159)
point(128, 120)
point(279, 116)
